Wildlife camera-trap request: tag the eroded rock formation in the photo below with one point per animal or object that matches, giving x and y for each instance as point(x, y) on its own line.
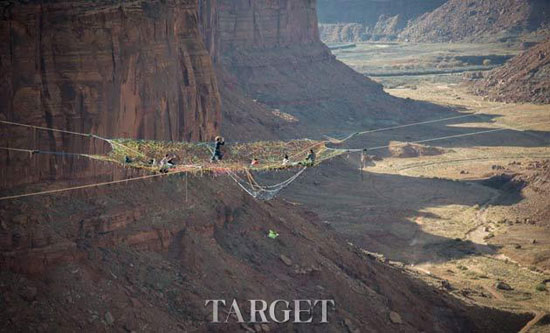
point(273, 54)
point(524, 78)
point(459, 20)
point(134, 69)
point(362, 20)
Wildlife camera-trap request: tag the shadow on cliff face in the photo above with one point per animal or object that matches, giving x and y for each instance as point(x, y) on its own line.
point(143, 256)
point(321, 94)
point(270, 62)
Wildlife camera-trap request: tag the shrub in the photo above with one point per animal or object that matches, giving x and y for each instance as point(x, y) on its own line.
point(540, 287)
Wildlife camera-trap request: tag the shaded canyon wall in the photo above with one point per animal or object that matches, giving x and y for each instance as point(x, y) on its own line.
point(137, 69)
point(270, 52)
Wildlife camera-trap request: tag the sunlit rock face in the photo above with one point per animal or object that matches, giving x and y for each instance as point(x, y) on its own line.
point(363, 20)
point(117, 69)
point(525, 78)
point(480, 20)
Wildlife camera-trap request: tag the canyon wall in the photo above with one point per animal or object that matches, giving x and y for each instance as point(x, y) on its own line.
point(524, 78)
point(481, 20)
point(138, 69)
point(243, 118)
point(134, 69)
point(363, 20)
point(145, 255)
point(270, 52)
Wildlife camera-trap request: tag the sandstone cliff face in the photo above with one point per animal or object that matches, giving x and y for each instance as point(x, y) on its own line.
point(272, 52)
point(524, 78)
point(362, 20)
point(267, 23)
point(471, 20)
point(242, 117)
point(138, 69)
point(135, 69)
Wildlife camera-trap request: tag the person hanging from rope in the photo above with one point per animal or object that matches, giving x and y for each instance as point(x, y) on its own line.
point(218, 155)
point(310, 159)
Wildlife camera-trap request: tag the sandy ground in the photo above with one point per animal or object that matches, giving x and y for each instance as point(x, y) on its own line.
point(488, 218)
point(464, 220)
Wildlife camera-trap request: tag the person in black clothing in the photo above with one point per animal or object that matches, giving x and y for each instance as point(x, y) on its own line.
point(310, 159)
point(172, 160)
point(167, 163)
point(218, 155)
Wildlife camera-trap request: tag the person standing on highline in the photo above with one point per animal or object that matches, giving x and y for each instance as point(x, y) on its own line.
point(218, 155)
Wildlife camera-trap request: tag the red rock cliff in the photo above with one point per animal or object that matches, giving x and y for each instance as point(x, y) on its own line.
point(481, 20)
point(272, 53)
point(131, 69)
point(525, 78)
point(138, 69)
point(240, 24)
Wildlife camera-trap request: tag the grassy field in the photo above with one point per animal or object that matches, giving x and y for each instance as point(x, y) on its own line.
point(396, 59)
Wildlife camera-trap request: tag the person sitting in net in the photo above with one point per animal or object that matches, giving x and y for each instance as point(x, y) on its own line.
point(172, 160)
point(254, 162)
point(167, 162)
point(218, 155)
point(286, 160)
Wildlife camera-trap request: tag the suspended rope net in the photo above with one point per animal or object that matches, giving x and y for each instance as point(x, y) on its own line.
point(260, 192)
point(192, 158)
point(267, 192)
point(195, 157)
